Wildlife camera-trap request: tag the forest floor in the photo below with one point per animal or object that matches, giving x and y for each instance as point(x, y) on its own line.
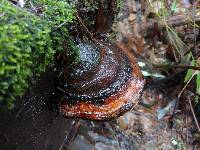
point(165, 118)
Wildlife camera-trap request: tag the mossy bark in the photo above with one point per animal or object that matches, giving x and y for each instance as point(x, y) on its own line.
point(29, 38)
point(25, 50)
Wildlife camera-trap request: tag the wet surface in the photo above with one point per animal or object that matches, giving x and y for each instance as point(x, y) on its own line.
point(104, 84)
point(33, 126)
point(102, 71)
point(100, 136)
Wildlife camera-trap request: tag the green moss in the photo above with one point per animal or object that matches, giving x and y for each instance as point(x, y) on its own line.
point(25, 50)
point(120, 4)
point(61, 15)
point(28, 41)
point(87, 10)
point(58, 12)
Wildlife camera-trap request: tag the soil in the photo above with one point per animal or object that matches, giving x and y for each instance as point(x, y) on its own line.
point(33, 126)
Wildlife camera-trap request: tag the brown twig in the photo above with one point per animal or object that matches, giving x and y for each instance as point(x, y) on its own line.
point(193, 113)
point(179, 95)
point(61, 89)
point(71, 135)
point(187, 132)
point(187, 67)
point(6, 137)
point(177, 66)
point(135, 104)
point(175, 20)
point(84, 26)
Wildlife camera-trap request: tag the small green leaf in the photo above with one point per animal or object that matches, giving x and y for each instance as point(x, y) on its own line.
point(188, 75)
point(174, 6)
point(198, 83)
point(12, 59)
point(10, 67)
point(2, 70)
point(189, 72)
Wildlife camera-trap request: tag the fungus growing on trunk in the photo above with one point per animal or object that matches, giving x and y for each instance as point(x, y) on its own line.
point(104, 84)
point(106, 80)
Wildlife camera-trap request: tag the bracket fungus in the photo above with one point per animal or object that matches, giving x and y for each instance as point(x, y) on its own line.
point(104, 84)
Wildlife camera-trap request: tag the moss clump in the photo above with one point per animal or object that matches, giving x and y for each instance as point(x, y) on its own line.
point(28, 41)
point(119, 4)
point(25, 50)
point(58, 13)
point(61, 17)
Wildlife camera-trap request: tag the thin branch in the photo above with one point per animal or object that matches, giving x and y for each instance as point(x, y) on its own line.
point(175, 20)
point(61, 89)
point(177, 66)
point(84, 26)
point(187, 132)
point(91, 35)
point(179, 95)
point(62, 24)
point(192, 110)
point(35, 10)
point(135, 104)
point(71, 135)
point(187, 67)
